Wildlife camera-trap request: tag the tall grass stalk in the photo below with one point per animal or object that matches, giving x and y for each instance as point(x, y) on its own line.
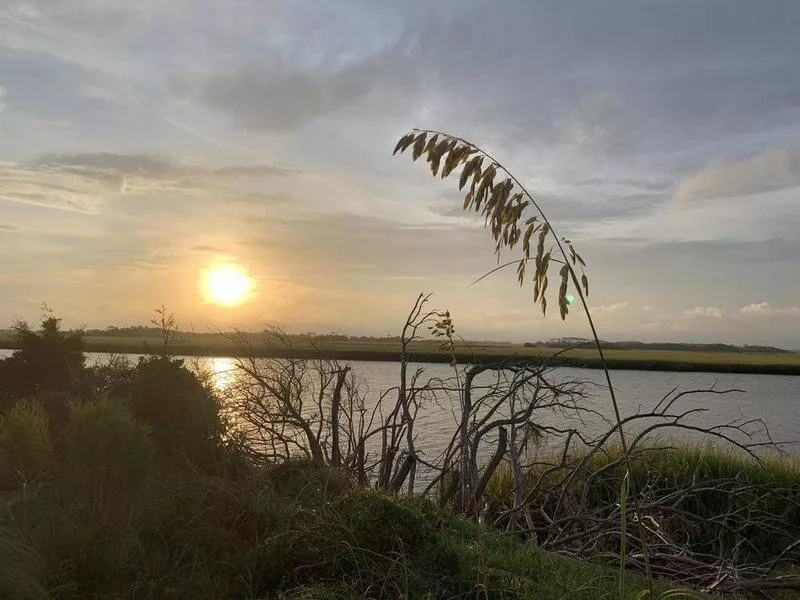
point(503, 210)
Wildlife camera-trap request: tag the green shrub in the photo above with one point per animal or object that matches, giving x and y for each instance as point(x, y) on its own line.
point(184, 415)
point(760, 498)
point(115, 373)
point(20, 569)
point(25, 446)
point(109, 454)
point(205, 537)
point(49, 360)
point(304, 481)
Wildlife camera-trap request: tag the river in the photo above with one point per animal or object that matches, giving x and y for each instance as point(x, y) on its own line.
point(775, 399)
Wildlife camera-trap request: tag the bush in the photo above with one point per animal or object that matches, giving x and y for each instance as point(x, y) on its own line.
point(757, 502)
point(184, 415)
point(109, 454)
point(25, 446)
point(199, 537)
point(206, 537)
point(48, 360)
point(305, 482)
point(113, 374)
point(20, 569)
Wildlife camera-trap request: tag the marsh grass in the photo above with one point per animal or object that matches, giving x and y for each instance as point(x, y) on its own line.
point(665, 469)
point(293, 531)
point(26, 447)
point(21, 568)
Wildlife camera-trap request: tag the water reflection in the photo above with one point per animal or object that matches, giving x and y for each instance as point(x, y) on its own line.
point(771, 397)
point(223, 372)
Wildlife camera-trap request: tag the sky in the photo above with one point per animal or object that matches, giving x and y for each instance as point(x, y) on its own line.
point(142, 141)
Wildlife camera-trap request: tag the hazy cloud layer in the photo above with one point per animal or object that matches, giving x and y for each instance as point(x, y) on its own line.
point(140, 141)
point(772, 170)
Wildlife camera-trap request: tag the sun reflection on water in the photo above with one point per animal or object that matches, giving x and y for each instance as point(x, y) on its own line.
point(223, 370)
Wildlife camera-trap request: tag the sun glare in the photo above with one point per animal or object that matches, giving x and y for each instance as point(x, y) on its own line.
point(227, 285)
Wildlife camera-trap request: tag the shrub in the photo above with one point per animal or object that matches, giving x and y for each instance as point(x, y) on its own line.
point(306, 482)
point(113, 374)
point(183, 414)
point(20, 569)
point(199, 538)
point(708, 486)
point(25, 446)
point(46, 360)
point(109, 453)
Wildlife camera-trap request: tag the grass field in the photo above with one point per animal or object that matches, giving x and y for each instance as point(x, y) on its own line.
point(429, 351)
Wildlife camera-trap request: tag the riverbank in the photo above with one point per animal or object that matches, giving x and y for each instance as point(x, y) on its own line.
point(429, 352)
point(133, 481)
point(291, 531)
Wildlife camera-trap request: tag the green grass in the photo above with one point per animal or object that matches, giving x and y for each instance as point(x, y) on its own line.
point(293, 531)
point(662, 471)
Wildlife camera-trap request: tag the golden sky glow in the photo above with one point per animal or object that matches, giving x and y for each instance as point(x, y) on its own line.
point(227, 285)
point(134, 165)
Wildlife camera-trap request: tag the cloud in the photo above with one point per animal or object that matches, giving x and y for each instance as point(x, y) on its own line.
point(600, 107)
point(600, 120)
point(707, 312)
point(611, 308)
point(90, 16)
point(254, 170)
point(62, 191)
point(2, 94)
point(764, 309)
point(85, 182)
point(207, 249)
point(107, 163)
point(772, 170)
point(277, 95)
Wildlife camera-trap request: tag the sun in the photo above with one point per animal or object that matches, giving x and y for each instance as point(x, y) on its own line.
point(227, 285)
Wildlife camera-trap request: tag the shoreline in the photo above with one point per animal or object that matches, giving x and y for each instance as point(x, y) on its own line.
point(758, 364)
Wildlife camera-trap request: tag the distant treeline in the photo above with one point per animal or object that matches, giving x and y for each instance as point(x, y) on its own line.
point(670, 346)
point(148, 332)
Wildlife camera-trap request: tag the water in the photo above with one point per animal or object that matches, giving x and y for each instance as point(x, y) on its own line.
point(773, 398)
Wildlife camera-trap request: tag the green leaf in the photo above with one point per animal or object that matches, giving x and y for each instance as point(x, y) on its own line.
point(419, 145)
point(545, 264)
point(526, 240)
point(502, 191)
point(435, 158)
point(431, 143)
point(540, 245)
point(469, 167)
point(546, 228)
point(450, 163)
point(585, 284)
point(404, 142)
point(486, 183)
